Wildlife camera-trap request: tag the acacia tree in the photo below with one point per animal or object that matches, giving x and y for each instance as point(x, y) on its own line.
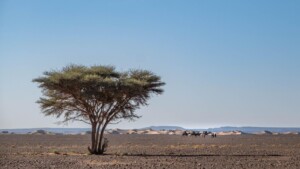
point(97, 95)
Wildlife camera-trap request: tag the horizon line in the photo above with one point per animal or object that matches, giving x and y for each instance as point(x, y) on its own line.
point(145, 127)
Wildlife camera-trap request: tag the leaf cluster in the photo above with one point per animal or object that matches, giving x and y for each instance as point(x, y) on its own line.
point(96, 93)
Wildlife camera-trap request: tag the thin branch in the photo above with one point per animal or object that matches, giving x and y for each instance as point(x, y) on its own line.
point(115, 122)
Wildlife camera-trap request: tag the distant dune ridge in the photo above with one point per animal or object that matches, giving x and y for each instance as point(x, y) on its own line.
point(167, 130)
point(163, 128)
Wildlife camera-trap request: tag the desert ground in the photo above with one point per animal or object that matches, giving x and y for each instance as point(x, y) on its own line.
point(151, 151)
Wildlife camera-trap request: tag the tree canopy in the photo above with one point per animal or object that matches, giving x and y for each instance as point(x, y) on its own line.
point(97, 95)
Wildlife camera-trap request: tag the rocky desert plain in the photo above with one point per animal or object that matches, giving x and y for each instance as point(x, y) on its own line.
point(141, 149)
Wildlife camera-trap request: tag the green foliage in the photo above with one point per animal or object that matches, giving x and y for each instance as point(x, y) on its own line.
point(87, 93)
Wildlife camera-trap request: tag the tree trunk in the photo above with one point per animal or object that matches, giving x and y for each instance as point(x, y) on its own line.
point(93, 149)
point(98, 145)
point(101, 146)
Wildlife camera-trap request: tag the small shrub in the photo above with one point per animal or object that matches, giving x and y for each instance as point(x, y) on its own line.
point(105, 145)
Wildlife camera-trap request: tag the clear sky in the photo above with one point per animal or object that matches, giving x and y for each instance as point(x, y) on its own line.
point(225, 62)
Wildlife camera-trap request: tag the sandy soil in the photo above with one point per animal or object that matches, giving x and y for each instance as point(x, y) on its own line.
point(151, 151)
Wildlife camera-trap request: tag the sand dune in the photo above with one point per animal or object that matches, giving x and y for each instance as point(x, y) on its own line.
point(230, 133)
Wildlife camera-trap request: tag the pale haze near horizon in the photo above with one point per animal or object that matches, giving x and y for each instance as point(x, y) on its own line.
point(233, 63)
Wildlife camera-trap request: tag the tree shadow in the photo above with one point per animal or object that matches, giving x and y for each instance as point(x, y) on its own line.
point(200, 155)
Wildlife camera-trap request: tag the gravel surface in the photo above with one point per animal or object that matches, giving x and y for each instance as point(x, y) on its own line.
point(151, 151)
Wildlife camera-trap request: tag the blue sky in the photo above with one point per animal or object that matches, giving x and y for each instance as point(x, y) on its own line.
point(225, 62)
